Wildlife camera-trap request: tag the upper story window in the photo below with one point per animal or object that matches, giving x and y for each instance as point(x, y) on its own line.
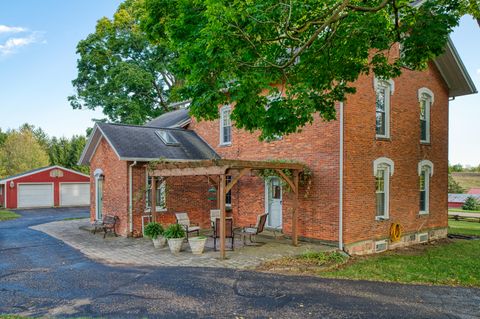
point(225, 126)
point(160, 194)
point(425, 171)
point(425, 98)
point(383, 91)
point(382, 170)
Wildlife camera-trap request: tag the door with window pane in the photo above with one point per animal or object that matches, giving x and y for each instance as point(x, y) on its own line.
point(274, 202)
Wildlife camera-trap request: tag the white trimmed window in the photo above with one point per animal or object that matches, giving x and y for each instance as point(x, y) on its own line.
point(382, 169)
point(425, 99)
point(425, 171)
point(160, 194)
point(225, 126)
point(383, 91)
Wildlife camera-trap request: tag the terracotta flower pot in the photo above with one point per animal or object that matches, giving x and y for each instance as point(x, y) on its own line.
point(159, 242)
point(175, 244)
point(197, 244)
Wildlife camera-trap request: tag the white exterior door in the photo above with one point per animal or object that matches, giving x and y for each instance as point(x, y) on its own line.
point(273, 190)
point(35, 195)
point(74, 194)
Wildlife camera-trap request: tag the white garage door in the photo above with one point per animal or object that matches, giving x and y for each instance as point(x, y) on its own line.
point(35, 195)
point(75, 194)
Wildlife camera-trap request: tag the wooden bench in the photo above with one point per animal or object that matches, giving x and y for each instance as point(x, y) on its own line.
point(458, 215)
point(108, 224)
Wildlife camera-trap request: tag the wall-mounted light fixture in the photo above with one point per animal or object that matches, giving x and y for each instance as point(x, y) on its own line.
point(12, 184)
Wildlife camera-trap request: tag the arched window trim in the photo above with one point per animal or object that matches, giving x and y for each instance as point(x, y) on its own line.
point(425, 163)
point(428, 92)
point(383, 161)
point(389, 83)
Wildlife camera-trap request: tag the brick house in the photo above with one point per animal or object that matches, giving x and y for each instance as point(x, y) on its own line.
point(384, 161)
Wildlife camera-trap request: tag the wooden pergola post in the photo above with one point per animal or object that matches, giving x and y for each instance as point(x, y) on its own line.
point(296, 174)
point(153, 199)
point(222, 167)
point(222, 198)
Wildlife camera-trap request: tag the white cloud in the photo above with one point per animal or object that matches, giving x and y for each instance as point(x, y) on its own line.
point(4, 29)
point(11, 45)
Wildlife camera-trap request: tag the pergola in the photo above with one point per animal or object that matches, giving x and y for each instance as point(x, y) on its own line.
point(234, 168)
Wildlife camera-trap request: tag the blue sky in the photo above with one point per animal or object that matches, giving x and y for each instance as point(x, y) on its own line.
point(38, 63)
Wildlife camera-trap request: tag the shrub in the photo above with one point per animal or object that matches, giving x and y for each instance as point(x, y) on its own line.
point(471, 204)
point(174, 231)
point(153, 230)
point(453, 186)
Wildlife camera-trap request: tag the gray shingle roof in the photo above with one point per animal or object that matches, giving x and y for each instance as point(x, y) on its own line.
point(461, 198)
point(142, 143)
point(170, 119)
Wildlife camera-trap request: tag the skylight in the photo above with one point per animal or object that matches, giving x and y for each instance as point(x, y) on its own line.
point(167, 137)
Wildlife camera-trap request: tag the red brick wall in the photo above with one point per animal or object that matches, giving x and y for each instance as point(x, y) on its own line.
point(43, 177)
point(317, 146)
point(183, 194)
point(115, 185)
point(404, 148)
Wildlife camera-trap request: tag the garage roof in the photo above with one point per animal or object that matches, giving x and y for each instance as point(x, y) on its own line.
point(38, 170)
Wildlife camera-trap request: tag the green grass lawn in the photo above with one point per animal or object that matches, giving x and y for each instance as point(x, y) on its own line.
point(462, 227)
point(7, 215)
point(449, 262)
point(462, 210)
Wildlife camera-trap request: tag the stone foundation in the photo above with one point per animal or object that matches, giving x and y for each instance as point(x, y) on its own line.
point(381, 244)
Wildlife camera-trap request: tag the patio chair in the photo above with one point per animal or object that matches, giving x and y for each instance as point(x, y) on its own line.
point(214, 214)
point(254, 230)
point(228, 231)
point(182, 219)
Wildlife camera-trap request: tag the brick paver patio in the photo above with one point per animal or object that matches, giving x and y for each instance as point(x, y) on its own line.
point(140, 251)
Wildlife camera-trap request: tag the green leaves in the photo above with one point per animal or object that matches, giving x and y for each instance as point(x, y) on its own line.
point(311, 51)
point(21, 152)
point(121, 72)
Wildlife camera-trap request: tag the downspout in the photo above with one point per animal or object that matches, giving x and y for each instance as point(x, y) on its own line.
point(130, 197)
point(340, 193)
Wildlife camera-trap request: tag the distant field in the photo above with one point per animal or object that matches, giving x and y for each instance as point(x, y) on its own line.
point(467, 180)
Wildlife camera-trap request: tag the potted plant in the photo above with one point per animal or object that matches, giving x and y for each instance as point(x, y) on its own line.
point(197, 244)
point(155, 232)
point(175, 235)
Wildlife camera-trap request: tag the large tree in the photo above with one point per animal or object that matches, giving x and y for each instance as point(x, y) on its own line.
point(120, 71)
point(21, 152)
point(314, 50)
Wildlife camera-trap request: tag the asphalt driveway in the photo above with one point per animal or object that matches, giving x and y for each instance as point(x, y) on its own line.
point(42, 276)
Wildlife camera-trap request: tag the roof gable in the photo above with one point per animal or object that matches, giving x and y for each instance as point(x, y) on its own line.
point(142, 143)
point(38, 170)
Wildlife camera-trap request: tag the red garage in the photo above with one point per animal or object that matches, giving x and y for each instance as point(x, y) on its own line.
point(51, 186)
